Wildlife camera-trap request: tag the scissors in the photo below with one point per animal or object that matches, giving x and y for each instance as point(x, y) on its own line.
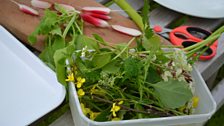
point(186, 36)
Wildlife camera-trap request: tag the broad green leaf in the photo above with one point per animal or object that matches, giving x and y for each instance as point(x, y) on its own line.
point(173, 93)
point(153, 76)
point(47, 57)
point(151, 44)
point(59, 59)
point(58, 43)
point(82, 41)
point(100, 60)
point(112, 67)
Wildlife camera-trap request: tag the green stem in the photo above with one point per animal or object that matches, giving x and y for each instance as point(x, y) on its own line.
point(68, 26)
point(131, 12)
point(202, 43)
point(109, 3)
point(122, 51)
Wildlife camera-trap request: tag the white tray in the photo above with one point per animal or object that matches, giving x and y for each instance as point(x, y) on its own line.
point(28, 88)
point(204, 111)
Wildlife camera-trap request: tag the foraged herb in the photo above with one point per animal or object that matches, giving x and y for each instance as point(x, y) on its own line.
point(61, 31)
point(123, 78)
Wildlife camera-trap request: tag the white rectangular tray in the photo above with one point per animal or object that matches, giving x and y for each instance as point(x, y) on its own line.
point(28, 88)
point(204, 111)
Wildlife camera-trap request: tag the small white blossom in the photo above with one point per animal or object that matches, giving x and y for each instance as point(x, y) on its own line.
point(166, 75)
point(181, 78)
point(178, 72)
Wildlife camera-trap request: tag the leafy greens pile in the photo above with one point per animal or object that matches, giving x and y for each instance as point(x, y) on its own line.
point(116, 82)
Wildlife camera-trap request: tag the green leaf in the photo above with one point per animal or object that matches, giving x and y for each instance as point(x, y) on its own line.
point(148, 32)
point(56, 31)
point(100, 39)
point(58, 43)
point(32, 38)
point(153, 76)
point(173, 93)
point(47, 57)
point(145, 13)
point(83, 41)
point(151, 44)
point(103, 116)
point(112, 67)
point(48, 22)
point(100, 60)
point(59, 59)
point(132, 67)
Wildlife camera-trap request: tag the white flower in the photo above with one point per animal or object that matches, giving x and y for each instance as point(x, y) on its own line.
point(178, 72)
point(166, 75)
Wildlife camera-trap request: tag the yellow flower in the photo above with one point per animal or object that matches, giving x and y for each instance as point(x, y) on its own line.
point(84, 109)
point(93, 115)
point(195, 101)
point(93, 89)
point(80, 82)
point(81, 92)
point(115, 109)
point(116, 119)
point(70, 77)
point(121, 102)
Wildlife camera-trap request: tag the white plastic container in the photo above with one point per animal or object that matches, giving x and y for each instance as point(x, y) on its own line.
point(28, 88)
point(204, 111)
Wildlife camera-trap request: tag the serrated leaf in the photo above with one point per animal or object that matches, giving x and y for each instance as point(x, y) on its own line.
point(132, 67)
point(173, 93)
point(48, 22)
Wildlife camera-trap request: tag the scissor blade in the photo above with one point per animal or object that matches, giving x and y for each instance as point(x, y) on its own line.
point(220, 44)
point(164, 31)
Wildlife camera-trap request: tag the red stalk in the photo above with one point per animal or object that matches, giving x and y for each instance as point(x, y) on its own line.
point(94, 21)
point(101, 16)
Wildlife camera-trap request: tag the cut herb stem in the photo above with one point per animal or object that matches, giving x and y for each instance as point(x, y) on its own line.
point(69, 26)
point(125, 48)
